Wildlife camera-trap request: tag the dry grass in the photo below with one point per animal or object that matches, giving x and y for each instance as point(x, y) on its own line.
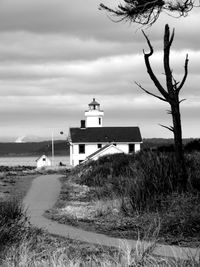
point(141, 256)
point(35, 248)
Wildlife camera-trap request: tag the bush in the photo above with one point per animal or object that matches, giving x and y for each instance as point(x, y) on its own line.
point(12, 220)
point(102, 171)
point(193, 146)
point(193, 170)
point(155, 177)
point(181, 215)
point(142, 180)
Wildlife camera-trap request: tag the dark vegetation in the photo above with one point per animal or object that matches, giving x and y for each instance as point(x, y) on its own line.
point(13, 224)
point(23, 245)
point(146, 12)
point(34, 148)
point(147, 185)
point(62, 148)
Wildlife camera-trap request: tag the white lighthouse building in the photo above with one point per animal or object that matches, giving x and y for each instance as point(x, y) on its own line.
point(92, 140)
point(94, 115)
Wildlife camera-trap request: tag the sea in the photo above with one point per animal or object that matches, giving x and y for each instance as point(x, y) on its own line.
point(31, 161)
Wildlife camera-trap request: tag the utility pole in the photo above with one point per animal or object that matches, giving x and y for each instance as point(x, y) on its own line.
point(52, 149)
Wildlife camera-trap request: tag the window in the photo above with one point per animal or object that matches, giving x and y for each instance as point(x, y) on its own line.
point(80, 161)
point(44, 159)
point(99, 121)
point(131, 148)
point(81, 149)
point(99, 145)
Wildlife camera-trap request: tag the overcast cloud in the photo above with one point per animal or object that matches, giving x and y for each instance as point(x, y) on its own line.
point(56, 55)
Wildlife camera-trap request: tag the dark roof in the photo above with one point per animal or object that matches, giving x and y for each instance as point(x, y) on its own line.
point(94, 102)
point(105, 134)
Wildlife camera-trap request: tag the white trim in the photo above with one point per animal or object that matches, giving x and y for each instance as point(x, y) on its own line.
point(103, 150)
point(106, 143)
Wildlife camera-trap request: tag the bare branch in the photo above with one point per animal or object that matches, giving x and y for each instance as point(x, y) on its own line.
point(167, 45)
point(172, 38)
point(175, 83)
point(171, 128)
point(185, 75)
point(149, 93)
point(150, 71)
point(182, 100)
point(169, 111)
point(149, 44)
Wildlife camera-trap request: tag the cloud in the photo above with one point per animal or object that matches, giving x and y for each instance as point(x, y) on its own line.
point(55, 56)
point(108, 75)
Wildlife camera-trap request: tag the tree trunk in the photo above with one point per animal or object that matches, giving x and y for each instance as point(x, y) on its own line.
point(178, 145)
point(170, 94)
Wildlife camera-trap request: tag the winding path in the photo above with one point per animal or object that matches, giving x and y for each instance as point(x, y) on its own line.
point(43, 194)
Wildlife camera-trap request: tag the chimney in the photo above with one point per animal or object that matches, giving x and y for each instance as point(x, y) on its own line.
point(82, 124)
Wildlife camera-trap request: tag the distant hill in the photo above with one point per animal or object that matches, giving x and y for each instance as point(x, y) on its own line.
point(62, 147)
point(33, 148)
point(163, 144)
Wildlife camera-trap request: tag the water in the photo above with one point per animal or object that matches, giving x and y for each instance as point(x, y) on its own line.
point(30, 161)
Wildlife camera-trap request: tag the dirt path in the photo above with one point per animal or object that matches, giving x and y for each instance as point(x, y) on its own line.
point(42, 196)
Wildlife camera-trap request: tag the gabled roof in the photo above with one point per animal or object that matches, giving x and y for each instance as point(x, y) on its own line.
point(43, 156)
point(105, 135)
point(104, 148)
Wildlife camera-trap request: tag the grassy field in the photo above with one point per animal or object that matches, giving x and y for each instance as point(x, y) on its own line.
point(130, 196)
point(25, 246)
point(100, 196)
point(15, 181)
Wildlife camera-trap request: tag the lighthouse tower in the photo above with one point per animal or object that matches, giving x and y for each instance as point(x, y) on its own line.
point(94, 115)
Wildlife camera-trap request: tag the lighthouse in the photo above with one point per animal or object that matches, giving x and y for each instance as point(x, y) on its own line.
point(94, 115)
point(92, 140)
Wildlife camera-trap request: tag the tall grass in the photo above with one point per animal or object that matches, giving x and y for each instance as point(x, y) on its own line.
point(145, 178)
point(21, 247)
point(14, 226)
point(145, 185)
point(141, 256)
point(12, 221)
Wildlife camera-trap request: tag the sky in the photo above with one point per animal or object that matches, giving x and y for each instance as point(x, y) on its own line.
point(56, 55)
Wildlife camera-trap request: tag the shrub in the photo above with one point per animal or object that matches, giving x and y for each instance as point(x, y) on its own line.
point(12, 220)
point(193, 170)
point(181, 215)
point(102, 171)
point(142, 180)
point(194, 145)
point(155, 177)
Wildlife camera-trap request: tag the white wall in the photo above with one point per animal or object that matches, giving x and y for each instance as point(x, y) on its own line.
point(41, 163)
point(71, 154)
point(109, 151)
point(123, 147)
point(93, 122)
point(91, 148)
point(92, 118)
point(137, 147)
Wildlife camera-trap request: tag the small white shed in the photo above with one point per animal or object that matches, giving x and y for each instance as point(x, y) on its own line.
point(43, 161)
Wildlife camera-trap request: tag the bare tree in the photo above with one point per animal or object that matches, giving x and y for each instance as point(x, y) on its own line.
point(146, 12)
point(170, 94)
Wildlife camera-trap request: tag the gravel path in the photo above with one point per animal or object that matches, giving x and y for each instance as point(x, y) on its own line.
point(43, 194)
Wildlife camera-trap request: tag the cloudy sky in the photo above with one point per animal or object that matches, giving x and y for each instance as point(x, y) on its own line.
point(56, 55)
